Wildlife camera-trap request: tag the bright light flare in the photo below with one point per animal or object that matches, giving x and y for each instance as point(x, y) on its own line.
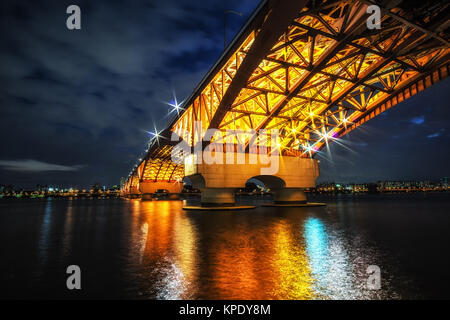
point(309, 149)
point(323, 135)
point(176, 106)
point(346, 122)
point(155, 134)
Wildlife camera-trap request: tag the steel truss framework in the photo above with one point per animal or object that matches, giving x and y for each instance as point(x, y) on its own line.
point(321, 76)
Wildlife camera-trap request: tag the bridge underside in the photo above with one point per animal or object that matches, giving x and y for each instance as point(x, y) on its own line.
point(311, 70)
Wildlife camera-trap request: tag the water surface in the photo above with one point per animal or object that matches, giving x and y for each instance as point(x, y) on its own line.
point(155, 250)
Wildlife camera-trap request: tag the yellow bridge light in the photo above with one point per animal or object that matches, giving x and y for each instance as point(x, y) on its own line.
point(303, 85)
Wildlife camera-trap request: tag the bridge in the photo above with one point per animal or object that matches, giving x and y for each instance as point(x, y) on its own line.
point(309, 71)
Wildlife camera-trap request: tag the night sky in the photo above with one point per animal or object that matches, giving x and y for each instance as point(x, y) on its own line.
point(76, 105)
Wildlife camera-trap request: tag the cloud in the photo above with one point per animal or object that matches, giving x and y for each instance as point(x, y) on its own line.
point(433, 135)
point(418, 120)
point(35, 166)
point(88, 96)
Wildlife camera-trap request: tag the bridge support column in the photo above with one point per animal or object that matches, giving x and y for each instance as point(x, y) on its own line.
point(148, 187)
point(287, 178)
point(134, 193)
point(289, 196)
point(217, 196)
point(146, 197)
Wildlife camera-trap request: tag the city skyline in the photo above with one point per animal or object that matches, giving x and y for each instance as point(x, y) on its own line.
point(443, 181)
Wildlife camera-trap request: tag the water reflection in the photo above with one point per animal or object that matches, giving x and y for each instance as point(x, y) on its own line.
point(45, 233)
point(329, 262)
point(165, 243)
point(234, 261)
point(143, 241)
point(291, 265)
point(155, 250)
point(68, 227)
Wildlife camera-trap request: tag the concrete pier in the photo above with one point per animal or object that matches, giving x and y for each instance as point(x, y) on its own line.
point(289, 196)
point(147, 197)
point(287, 178)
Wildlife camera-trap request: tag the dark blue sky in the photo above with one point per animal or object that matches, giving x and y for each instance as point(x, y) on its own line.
point(76, 105)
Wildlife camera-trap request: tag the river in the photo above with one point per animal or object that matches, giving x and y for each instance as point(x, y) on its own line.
point(155, 250)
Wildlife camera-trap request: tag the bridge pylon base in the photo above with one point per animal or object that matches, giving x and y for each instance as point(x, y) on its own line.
point(289, 196)
point(146, 197)
point(217, 196)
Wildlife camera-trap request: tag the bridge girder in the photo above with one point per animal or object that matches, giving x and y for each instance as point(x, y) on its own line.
point(322, 74)
point(314, 76)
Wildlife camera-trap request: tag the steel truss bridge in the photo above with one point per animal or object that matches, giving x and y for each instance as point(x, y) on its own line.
point(314, 71)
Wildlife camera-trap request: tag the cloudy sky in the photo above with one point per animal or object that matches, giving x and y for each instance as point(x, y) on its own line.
point(76, 105)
